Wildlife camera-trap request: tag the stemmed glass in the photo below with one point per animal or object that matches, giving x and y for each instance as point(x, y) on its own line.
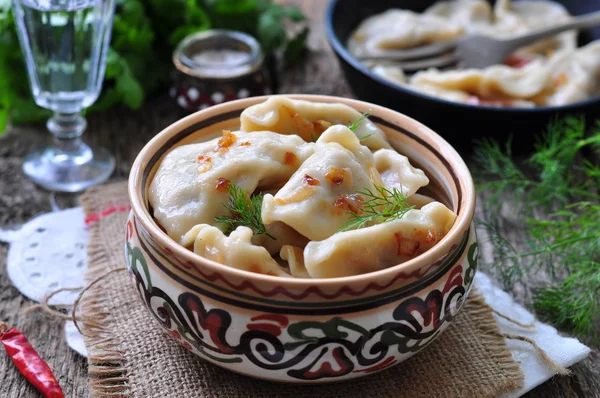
point(65, 44)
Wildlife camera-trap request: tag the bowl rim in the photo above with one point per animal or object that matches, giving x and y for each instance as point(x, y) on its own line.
point(455, 161)
point(340, 49)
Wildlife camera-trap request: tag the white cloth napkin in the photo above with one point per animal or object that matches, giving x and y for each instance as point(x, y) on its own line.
point(68, 228)
point(564, 351)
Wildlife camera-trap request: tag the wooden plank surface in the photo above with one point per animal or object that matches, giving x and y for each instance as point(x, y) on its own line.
point(124, 133)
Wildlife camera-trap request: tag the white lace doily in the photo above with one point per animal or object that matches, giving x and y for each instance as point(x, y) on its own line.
point(49, 253)
point(75, 339)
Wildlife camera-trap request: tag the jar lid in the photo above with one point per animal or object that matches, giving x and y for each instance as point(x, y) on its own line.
point(218, 54)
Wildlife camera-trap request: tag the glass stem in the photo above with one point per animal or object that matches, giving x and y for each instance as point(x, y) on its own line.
point(67, 129)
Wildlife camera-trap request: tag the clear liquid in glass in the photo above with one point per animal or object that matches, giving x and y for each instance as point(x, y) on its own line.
point(64, 44)
point(65, 50)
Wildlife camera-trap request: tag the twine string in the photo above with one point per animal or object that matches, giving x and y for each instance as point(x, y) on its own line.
point(47, 309)
point(530, 325)
point(553, 365)
point(85, 289)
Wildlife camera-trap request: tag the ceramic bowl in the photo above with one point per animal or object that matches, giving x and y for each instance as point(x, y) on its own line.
point(457, 122)
point(304, 330)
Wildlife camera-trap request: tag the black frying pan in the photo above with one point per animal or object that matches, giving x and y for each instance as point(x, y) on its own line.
point(459, 123)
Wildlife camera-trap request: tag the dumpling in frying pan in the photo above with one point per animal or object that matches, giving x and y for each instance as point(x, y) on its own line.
point(308, 120)
point(575, 76)
point(192, 180)
point(497, 82)
point(380, 246)
point(397, 29)
point(519, 17)
point(317, 198)
point(235, 250)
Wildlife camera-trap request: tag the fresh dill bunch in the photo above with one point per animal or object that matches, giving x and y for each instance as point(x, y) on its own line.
point(556, 193)
point(550, 177)
point(499, 171)
point(245, 211)
point(382, 205)
point(506, 259)
point(568, 303)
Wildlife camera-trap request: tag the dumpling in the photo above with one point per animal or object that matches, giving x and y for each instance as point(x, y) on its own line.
point(295, 259)
point(564, 78)
point(235, 250)
point(317, 198)
point(399, 29)
point(380, 246)
point(392, 73)
point(499, 85)
point(397, 172)
point(495, 82)
point(576, 76)
point(517, 18)
point(471, 15)
point(514, 18)
point(418, 200)
point(283, 234)
point(191, 183)
point(308, 120)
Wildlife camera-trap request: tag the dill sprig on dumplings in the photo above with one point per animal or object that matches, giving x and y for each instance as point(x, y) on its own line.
point(355, 124)
point(245, 211)
point(380, 206)
point(557, 199)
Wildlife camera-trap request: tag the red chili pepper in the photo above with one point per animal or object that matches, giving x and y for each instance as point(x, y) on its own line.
point(29, 363)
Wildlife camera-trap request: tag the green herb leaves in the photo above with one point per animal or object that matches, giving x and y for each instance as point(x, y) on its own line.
point(557, 193)
point(265, 20)
point(271, 30)
point(294, 48)
point(245, 211)
point(379, 206)
point(355, 124)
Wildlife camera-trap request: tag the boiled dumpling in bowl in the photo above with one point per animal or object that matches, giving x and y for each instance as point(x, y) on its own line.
point(270, 202)
point(308, 120)
point(294, 256)
point(397, 172)
point(379, 246)
point(235, 250)
point(192, 181)
point(317, 198)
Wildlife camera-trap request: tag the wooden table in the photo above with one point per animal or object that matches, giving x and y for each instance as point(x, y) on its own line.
point(124, 133)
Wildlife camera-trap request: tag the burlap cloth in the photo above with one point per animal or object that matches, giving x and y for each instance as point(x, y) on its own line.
point(130, 356)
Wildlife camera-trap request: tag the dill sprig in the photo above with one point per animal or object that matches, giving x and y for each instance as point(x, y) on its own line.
point(382, 205)
point(555, 192)
point(364, 137)
point(356, 123)
point(245, 210)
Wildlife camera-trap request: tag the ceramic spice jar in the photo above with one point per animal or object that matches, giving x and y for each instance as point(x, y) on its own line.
point(216, 66)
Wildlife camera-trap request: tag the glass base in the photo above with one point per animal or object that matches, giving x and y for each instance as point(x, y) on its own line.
point(71, 169)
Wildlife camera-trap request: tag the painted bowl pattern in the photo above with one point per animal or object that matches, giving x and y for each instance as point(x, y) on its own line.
point(303, 330)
